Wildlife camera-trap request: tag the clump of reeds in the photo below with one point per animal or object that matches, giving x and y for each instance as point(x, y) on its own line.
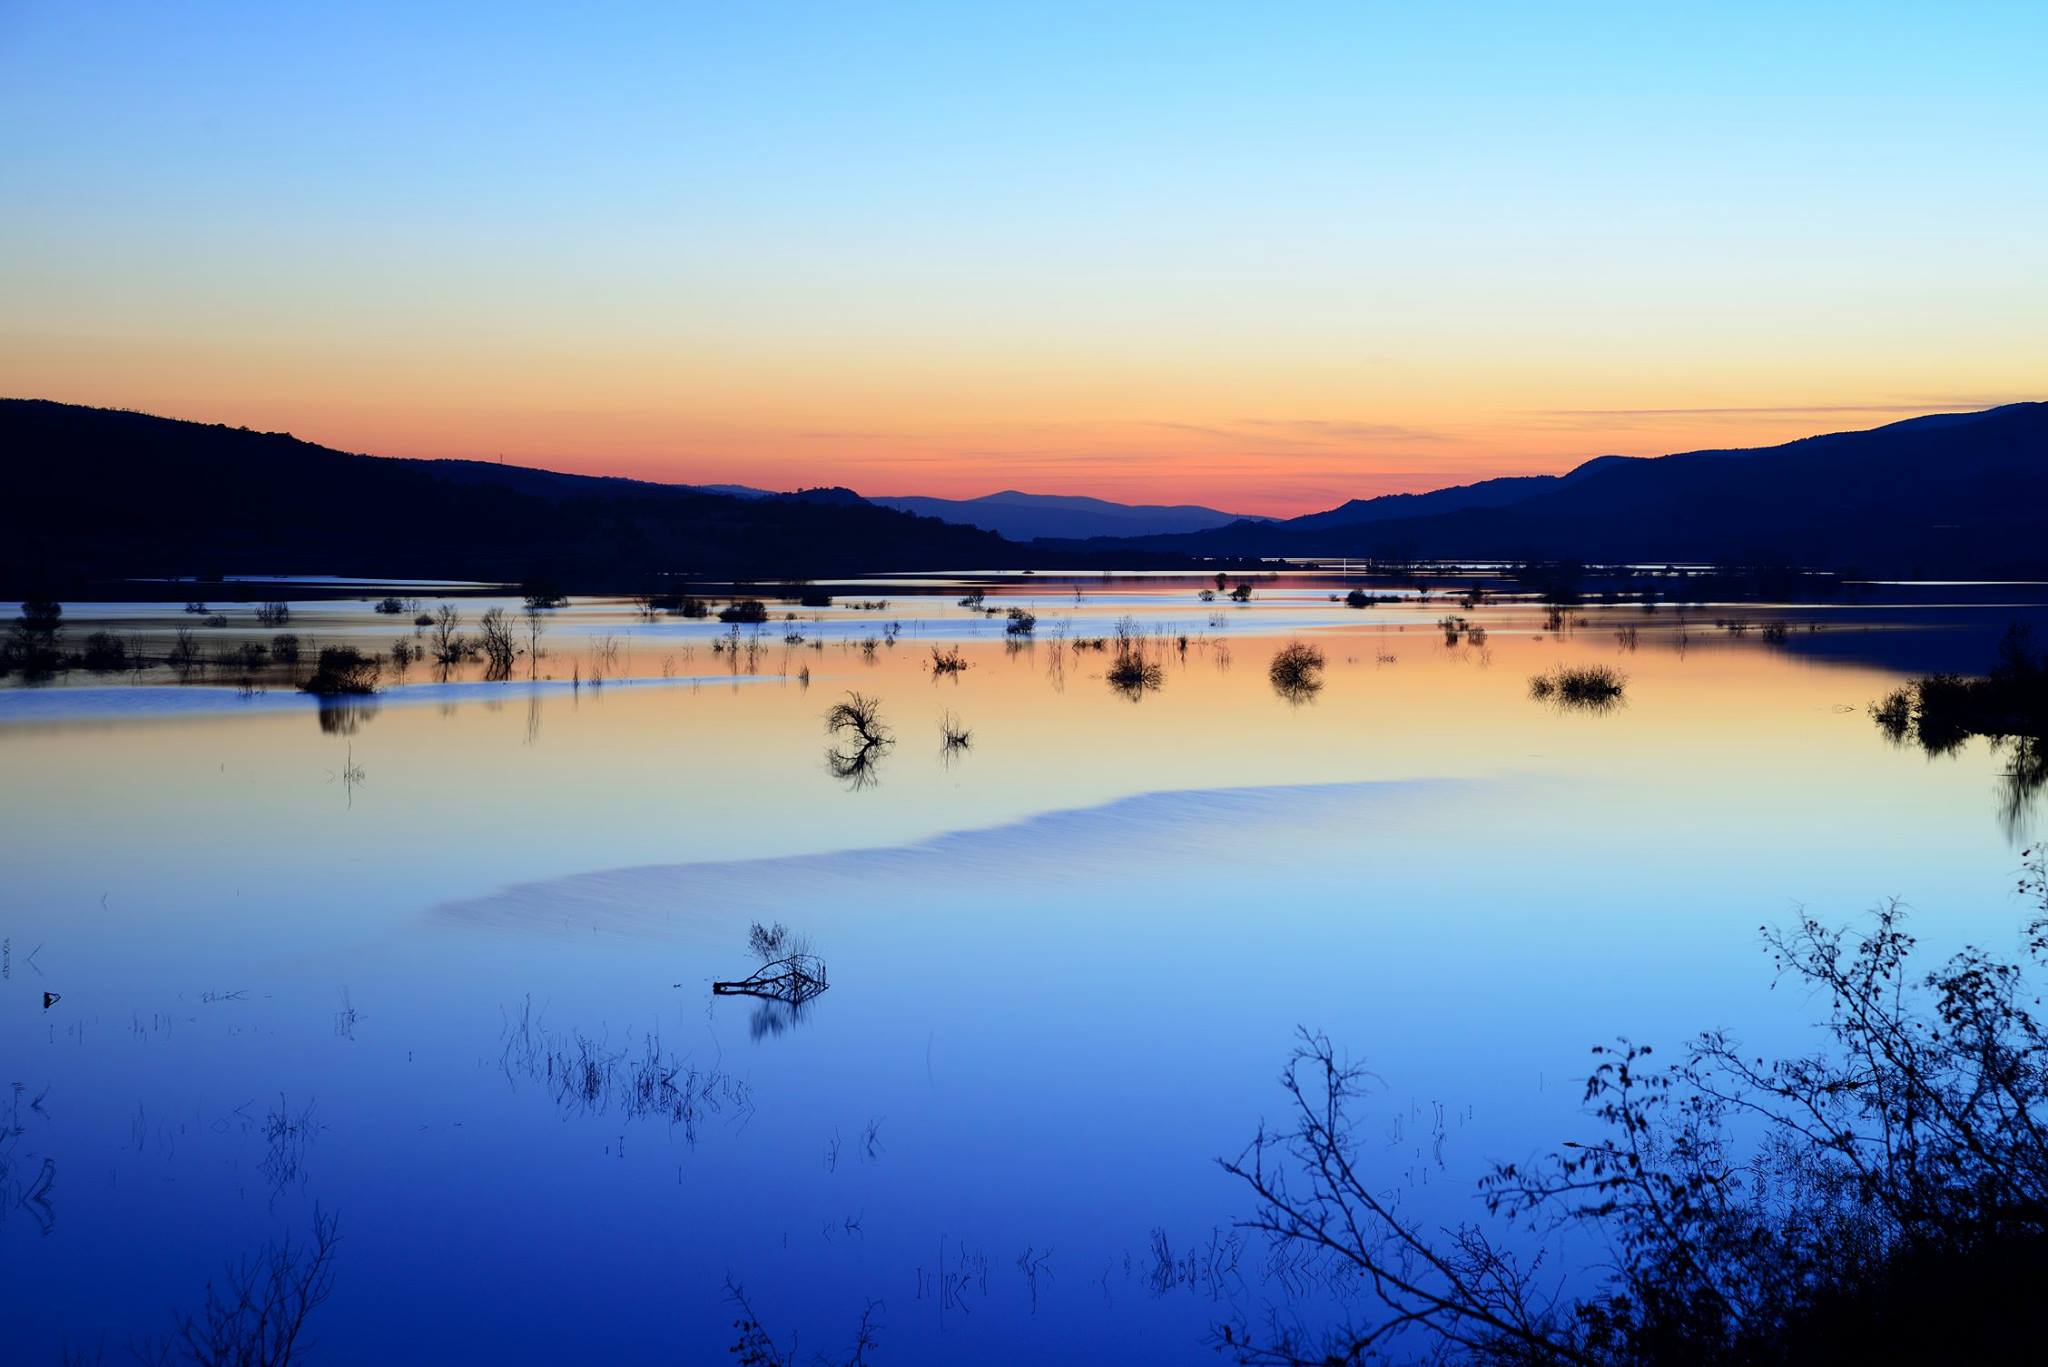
point(1593, 685)
point(1131, 669)
point(948, 660)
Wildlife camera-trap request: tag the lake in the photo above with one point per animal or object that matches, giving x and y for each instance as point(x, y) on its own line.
point(439, 962)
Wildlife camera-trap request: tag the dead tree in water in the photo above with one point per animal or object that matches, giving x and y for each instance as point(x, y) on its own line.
point(794, 980)
point(498, 645)
point(859, 720)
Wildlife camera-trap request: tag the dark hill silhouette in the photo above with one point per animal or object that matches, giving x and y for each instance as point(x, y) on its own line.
point(1946, 494)
point(95, 494)
point(1023, 517)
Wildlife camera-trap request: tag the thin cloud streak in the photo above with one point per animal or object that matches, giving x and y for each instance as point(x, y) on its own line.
point(1967, 403)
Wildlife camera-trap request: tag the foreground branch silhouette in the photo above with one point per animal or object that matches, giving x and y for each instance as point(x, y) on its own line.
point(1884, 1198)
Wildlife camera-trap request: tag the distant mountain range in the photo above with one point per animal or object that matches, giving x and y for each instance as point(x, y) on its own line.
point(94, 494)
point(1023, 517)
point(1946, 494)
point(100, 494)
point(1028, 517)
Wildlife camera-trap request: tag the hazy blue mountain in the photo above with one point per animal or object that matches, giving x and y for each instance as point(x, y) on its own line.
point(1022, 517)
point(1949, 493)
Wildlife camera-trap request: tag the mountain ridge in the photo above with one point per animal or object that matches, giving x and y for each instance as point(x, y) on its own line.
point(98, 494)
point(1942, 492)
point(1025, 517)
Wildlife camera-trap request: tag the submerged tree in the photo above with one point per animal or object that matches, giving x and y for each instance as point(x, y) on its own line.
point(448, 645)
point(1297, 671)
point(2008, 707)
point(343, 670)
point(496, 639)
point(32, 638)
point(861, 739)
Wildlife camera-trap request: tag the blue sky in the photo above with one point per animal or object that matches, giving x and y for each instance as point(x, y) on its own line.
point(768, 242)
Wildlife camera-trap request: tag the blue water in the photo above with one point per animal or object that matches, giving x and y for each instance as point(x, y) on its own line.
point(1066, 968)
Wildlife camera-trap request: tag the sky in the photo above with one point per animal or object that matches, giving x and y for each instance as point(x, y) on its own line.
point(1264, 257)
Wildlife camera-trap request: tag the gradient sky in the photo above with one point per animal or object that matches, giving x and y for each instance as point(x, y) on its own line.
point(1261, 256)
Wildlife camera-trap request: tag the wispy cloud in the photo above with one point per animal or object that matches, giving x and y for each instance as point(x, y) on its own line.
point(1345, 430)
point(1308, 434)
point(1928, 404)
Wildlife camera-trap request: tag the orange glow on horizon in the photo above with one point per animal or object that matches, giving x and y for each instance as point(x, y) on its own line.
point(1161, 443)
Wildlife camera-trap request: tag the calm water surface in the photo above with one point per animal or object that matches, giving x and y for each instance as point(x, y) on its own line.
point(368, 959)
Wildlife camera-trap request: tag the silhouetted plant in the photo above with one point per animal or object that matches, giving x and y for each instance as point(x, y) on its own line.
point(284, 648)
point(32, 640)
point(1242, 593)
point(755, 1347)
point(255, 1314)
point(1296, 670)
point(953, 735)
point(273, 613)
point(775, 941)
point(1893, 713)
point(184, 652)
point(448, 645)
point(1131, 671)
point(863, 739)
point(343, 670)
point(1891, 1205)
point(105, 653)
point(1593, 686)
point(496, 640)
point(793, 979)
point(860, 715)
point(246, 658)
point(747, 610)
point(1944, 710)
point(948, 660)
point(587, 1077)
point(1020, 623)
point(541, 594)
